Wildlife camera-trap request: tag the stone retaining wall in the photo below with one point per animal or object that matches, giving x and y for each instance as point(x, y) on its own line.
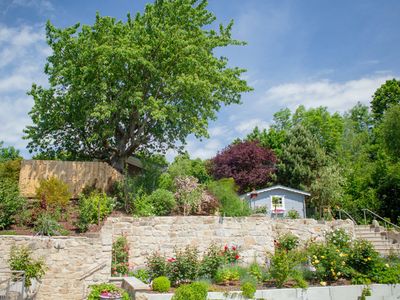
point(253, 235)
point(70, 261)
point(76, 262)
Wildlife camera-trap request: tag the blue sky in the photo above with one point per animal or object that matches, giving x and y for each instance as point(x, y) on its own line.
point(311, 52)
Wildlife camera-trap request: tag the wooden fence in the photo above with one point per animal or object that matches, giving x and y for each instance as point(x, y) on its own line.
point(77, 174)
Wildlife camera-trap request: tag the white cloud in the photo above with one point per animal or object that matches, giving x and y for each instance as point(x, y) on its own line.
point(336, 96)
point(23, 51)
point(204, 150)
point(40, 5)
point(246, 126)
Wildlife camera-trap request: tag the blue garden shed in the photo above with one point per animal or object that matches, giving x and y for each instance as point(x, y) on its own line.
point(278, 200)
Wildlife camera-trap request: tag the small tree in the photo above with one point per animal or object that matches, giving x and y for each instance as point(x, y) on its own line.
point(250, 165)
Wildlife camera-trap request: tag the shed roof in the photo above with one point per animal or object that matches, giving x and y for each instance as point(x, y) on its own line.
point(275, 187)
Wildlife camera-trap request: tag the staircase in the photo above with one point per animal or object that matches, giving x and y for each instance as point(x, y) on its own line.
point(384, 241)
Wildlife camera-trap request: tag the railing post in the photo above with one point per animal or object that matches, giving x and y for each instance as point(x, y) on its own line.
point(365, 217)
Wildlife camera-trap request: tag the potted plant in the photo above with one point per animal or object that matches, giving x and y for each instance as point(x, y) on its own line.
point(107, 291)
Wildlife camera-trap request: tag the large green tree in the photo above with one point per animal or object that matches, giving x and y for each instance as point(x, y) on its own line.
point(386, 95)
point(119, 87)
point(390, 131)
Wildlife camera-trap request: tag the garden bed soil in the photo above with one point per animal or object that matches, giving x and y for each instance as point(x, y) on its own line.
point(67, 222)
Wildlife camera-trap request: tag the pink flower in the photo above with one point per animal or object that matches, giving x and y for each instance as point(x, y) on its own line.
point(171, 259)
point(233, 248)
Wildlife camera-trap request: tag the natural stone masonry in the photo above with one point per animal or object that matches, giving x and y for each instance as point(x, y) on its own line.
point(253, 235)
point(76, 262)
point(69, 261)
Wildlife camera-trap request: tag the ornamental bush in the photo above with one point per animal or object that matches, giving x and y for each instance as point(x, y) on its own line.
point(194, 291)
point(163, 202)
point(339, 238)
point(53, 193)
point(288, 242)
point(47, 225)
point(283, 265)
point(11, 202)
point(120, 257)
point(184, 267)
point(21, 260)
point(363, 256)
point(212, 261)
point(156, 265)
point(248, 290)
point(161, 284)
point(93, 207)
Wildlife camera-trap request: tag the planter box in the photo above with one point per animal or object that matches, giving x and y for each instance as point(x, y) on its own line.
point(349, 292)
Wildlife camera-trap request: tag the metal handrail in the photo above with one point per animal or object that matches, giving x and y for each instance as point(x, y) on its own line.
point(347, 214)
point(376, 215)
point(90, 272)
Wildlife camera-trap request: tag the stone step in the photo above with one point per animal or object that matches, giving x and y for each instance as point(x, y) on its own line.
point(372, 238)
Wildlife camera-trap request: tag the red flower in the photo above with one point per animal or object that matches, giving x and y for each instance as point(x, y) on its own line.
point(237, 256)
point(234, 248)
point(226, 248)
point(171, 259)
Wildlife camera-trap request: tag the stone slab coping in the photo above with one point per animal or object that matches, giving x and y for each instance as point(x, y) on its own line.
point(137, 284)
point(379, 292)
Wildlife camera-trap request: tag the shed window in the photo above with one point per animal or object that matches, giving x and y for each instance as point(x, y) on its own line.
point(277, 203)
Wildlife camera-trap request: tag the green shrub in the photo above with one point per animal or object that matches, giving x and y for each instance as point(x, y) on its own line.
point(386, 273)
point(298, 277)
point(47, 225)
point(212, 261)
point(194, 291)
point(53, 193)
point(21, 260)
point(10, 169)
point(161, 284)
point(362, 257)
point(92, 207)
point(259, 209)
point(283, 265)
point(141, 274)
point(156, 265)
point(329, 261)
point(106, 289)
point(226, 275)
point(142, 207)
point(293, 214)
point(340, 238)
point(256, 272)
point(184, 267)
point(288, 241)
point(248, 290)
point(120, 257)
point(11, 203)
point(231, 204)
point(163, 202)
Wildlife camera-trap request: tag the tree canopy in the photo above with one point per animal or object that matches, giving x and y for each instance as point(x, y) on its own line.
point(142, 85)
point(386, 95)
point(250, 165)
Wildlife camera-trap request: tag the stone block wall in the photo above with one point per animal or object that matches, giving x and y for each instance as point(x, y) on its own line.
point(253, 235)
point(69, 260)
point(76, 262)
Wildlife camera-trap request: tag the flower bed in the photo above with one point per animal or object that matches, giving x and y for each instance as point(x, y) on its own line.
point(337, 261)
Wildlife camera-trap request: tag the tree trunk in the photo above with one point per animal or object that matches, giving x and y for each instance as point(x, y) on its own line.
point(118, 163)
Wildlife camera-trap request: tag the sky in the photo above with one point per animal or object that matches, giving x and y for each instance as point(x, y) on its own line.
point(310, 52)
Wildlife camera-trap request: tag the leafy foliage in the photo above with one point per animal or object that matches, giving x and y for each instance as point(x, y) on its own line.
point(92, 208)
point(248, 290)
point(162, 201)
point(8, 153)
point(120, 257)
point(21, 260)
point(141, 84)
point(53, 193)
point(161, 284)
point(385, 96)
point(288, 242)
point(11, 203)
point(108, 289)
point(249, 164)
point(193, 291)
point(47, 225)
point(231, 204)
